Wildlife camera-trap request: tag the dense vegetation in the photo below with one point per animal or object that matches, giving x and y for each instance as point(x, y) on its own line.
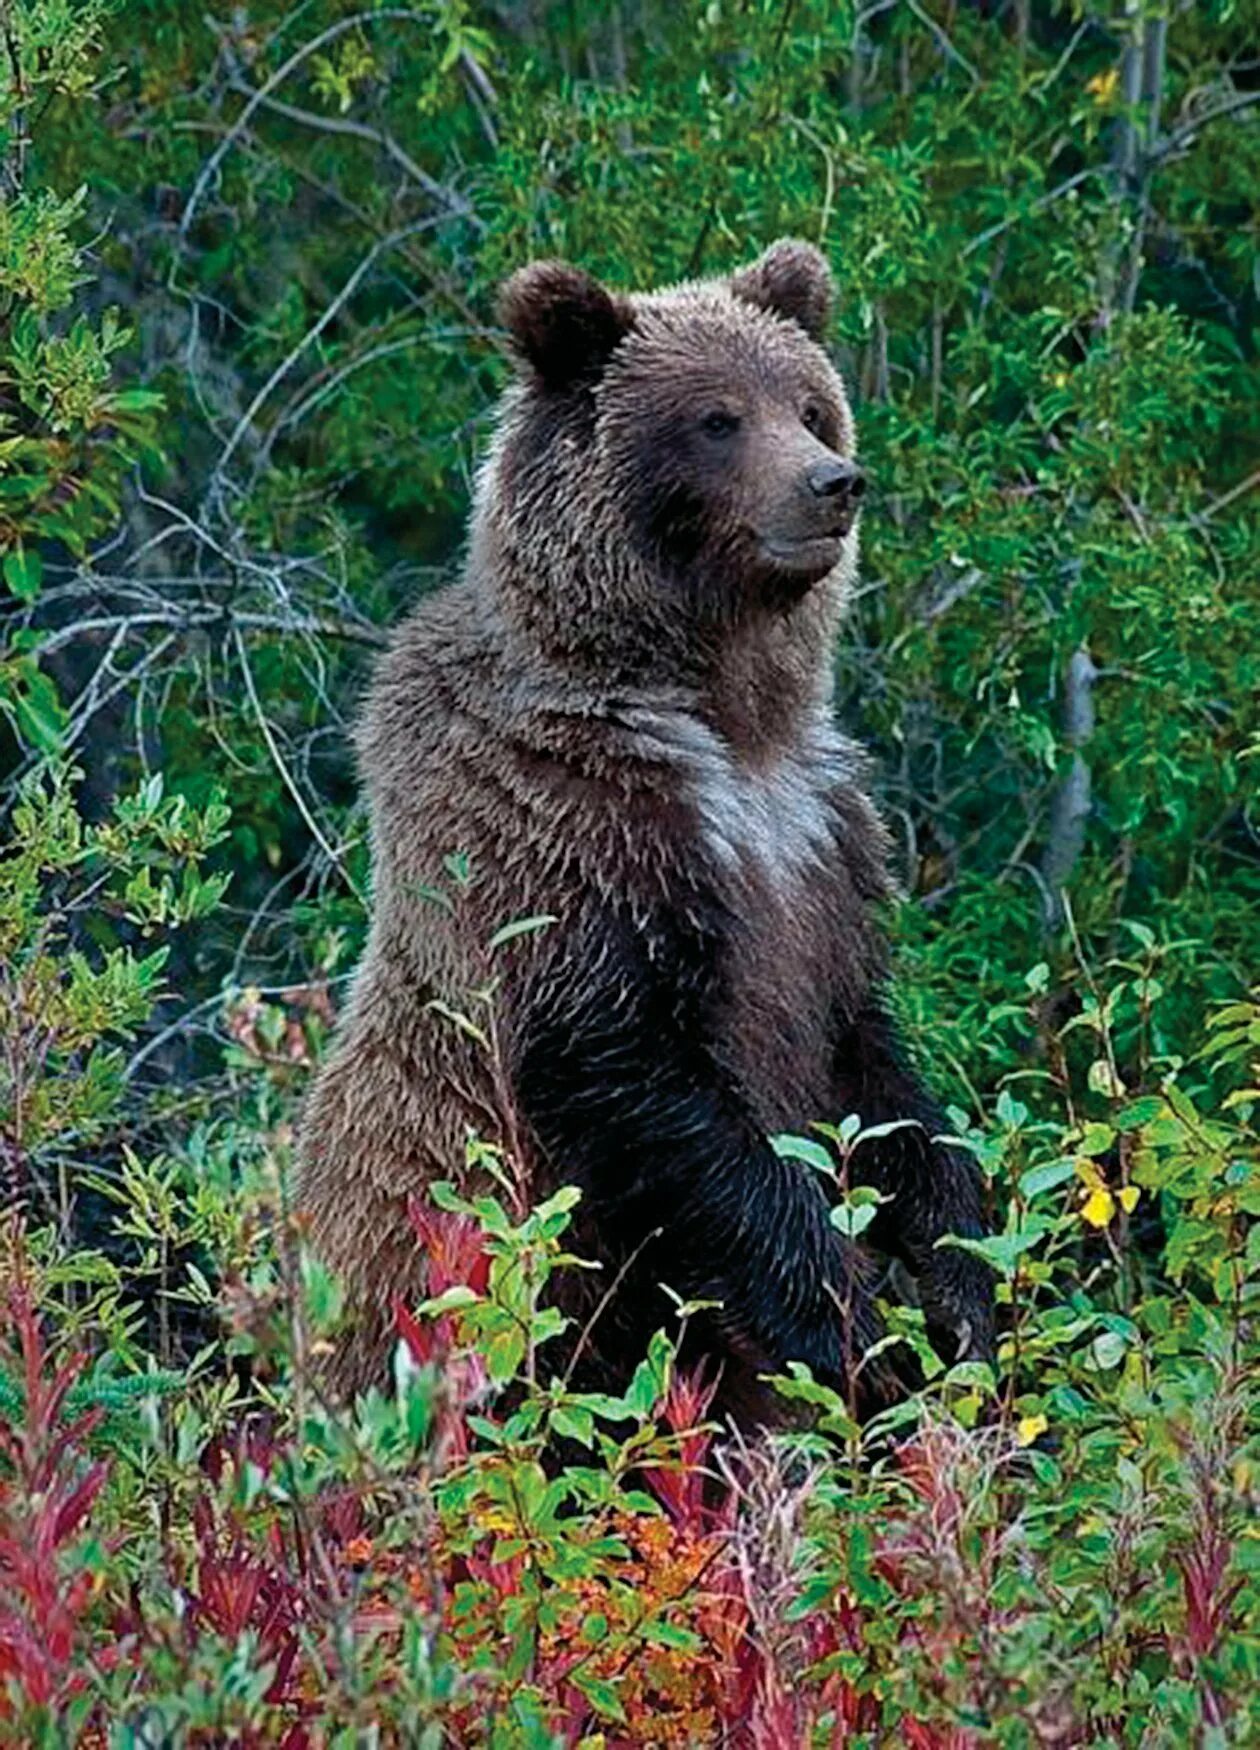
point(247, 361)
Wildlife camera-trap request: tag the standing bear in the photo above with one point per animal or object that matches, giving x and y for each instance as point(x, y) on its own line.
point(622, 717)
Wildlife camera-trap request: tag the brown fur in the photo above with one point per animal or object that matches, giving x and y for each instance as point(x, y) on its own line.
point(626, 702)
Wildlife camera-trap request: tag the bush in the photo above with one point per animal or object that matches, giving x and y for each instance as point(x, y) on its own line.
point(1063, 1555)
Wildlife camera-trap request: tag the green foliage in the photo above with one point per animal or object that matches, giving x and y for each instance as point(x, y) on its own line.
point(74, 898)
point(247, 368)
point(66, 434)
point(1066, 1542)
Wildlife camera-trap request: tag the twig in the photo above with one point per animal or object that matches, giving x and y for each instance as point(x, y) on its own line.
point(329, 314)
point(1238, 491)
point(93, 701)
point(210, 168)
point(1045, 84)
point(309, 397)
point(604, 1301)
point(456, 205)
point(482, 96)
point(943, 39)
point(289, 781)
point(1043, 200)
point(206, 1006)
point(189, 620)
point(1188, 129)
point(829, 172)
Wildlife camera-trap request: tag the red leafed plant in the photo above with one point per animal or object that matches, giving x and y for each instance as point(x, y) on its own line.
point(245, 1583)
point(457, 1258)
point(47, 1490)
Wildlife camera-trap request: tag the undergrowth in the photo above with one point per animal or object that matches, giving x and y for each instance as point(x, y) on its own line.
point(205, 1551)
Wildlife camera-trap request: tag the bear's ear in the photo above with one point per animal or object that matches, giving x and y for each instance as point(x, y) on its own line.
point(791, 279)
point(562, 322)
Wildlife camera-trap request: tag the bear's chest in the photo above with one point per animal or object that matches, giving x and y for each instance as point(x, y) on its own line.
point(771, 828)
point(769, 825)
point(770, 843)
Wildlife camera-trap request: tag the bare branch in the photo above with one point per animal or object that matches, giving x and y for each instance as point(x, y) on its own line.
point(329, 314)
point(1182, 135)
point(1037, 206)
point(289, 781)
point(456, 205)
point(942, 37)
point(1238, 491)
point(188, 620)
point(210, 168)
point(1072, 803)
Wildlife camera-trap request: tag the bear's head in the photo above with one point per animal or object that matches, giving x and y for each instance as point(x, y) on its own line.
point(670, 462)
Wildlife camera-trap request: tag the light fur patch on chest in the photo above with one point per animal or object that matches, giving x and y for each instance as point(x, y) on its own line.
point(775, 820)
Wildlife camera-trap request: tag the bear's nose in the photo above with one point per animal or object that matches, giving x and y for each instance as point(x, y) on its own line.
point(834, 478)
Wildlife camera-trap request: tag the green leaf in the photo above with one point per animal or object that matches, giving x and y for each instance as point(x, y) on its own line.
point(1107, 1350)
point(572, 1422)
point(1098, 1138)
point(853, 1219)
point(601, 1694)
point(1102, 1078)
point(873, 1132)
point(136, 401)
point(790, 1147)
point(35, 706)
point(1002, 1251)
point(450, 1300)
point(503, 1354)
point(1010, 1111)
point(1138, 1112)
point(24, 573)
point(1046, 1178)
point(521, 927)
point(671, 1634)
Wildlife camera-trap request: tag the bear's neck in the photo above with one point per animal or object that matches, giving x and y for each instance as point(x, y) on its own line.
point(767, 683)
point(760, 682)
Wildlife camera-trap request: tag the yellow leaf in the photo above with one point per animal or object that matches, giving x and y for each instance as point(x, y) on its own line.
point(1102, 87)
point(1098, 1208)
point(1102, 1079)
point(1030, 1427)
point(1129, 1199)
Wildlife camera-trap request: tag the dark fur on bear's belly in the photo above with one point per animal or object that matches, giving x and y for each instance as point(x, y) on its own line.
point(700, 1029)
point(626, 725)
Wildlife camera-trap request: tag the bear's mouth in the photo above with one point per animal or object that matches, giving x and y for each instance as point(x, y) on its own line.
point(817, 554)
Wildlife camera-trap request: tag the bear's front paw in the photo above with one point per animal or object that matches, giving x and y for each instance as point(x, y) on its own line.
point(956, 1289)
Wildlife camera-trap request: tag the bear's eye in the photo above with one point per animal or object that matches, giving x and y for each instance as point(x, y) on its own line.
point(720, 423)
point(812, 418)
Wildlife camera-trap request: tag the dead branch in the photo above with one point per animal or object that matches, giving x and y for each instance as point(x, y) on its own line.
point(1070, 809)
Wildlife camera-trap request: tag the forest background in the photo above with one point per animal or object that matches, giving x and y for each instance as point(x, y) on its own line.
point(247, 364)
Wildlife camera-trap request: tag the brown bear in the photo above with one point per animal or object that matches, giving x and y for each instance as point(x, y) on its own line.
point(622, 717)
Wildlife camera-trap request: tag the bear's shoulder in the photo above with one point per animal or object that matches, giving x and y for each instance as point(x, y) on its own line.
point(440, 659)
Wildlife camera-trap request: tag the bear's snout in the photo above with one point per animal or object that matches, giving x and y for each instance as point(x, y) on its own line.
point(834, 478)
